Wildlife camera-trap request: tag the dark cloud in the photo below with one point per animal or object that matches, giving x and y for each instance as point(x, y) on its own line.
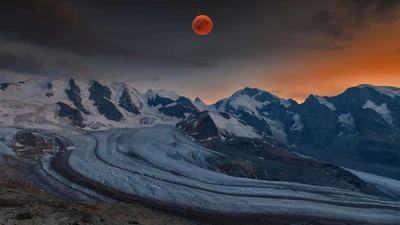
point(323, 16)
point(31, 66)
point(363, 12)
point(330, 24)
point(322, 46)
point(338, 22)
point(178, 6)
point(200, 64)
point(71, 66)
point(53, 24)
point(26, 63)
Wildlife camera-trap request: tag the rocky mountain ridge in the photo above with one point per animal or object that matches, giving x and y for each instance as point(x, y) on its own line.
point(358, 128)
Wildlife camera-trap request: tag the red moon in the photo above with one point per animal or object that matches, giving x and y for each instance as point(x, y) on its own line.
point(202, 25)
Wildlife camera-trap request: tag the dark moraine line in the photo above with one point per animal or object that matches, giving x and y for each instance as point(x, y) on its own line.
point(63, 143)
point(66, 185)
point(357, 205)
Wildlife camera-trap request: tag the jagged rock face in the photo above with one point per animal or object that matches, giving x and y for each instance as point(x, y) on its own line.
point(74, 94)
point(26, 138)
point(49, 87)
point(4, 86)
point(186, 103)
point(197, 99)
point(261, 97)
point(252, 120)
point(73, 114)
point(199, 126)
point(159, 100)
point(321, 124)
point(172, 108)
point(361, 126)
point(236, 167)
point(177, 111)
point(100, 95)
point(125, 102)
point(31, 145)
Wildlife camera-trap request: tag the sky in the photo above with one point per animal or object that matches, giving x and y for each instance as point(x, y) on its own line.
point(290, 48)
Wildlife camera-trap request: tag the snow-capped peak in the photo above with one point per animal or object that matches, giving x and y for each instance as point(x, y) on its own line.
point(162, 93)
point(249, 99)
point(200, 105)
point(253, 92)
point(198, 100)
point(387, 90)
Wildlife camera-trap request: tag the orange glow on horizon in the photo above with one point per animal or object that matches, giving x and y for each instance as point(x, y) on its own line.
point(373, 58)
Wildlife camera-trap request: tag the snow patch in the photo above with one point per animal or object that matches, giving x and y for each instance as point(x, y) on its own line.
point(298, 125)
point(248, 104)
point(325, 102)
point(346, 119)
point(382, 110)
point(233, 126)
point(285, 102)
point(277, 129)
point(171, 105)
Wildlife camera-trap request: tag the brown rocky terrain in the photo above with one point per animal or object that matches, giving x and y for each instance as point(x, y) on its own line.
point(22, 203)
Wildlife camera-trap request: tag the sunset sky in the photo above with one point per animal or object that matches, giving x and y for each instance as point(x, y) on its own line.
point(290, 48)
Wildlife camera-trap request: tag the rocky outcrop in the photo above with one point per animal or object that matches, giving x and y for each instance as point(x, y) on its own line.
point(125, 102)
point(49, 87)
point(101, 96)
point(179, 108)
point(236, 167)
point(74, 94)
point(199, 126)
point(73, 114)
point(186, 103)
point(31, 145)
point(4, 86)
point(159, 101)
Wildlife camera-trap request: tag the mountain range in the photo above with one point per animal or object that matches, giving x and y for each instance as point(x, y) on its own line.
point(357, 129)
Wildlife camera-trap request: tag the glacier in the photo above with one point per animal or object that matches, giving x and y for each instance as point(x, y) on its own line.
point(159, 164)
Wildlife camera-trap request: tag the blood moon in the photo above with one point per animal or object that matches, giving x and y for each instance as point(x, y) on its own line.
point(202, 25)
